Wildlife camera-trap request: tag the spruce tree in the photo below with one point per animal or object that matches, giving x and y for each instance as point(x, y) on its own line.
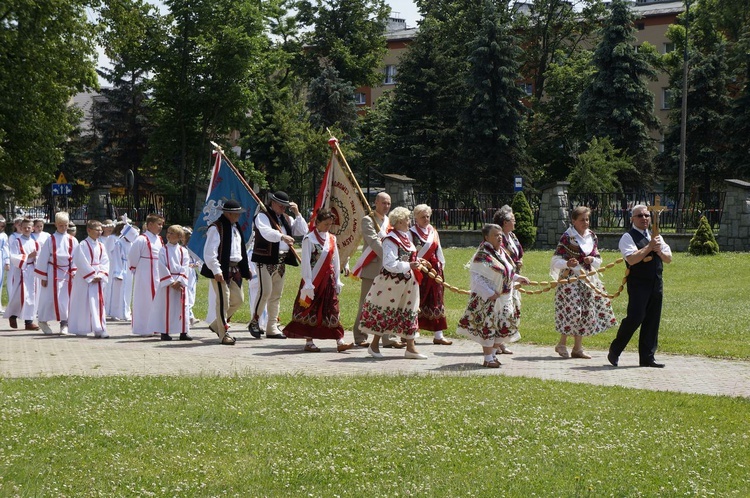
point(616, 103)
point(331, 101)
point(703, 242)
point(428, 102)
point(525, 228)
point(708, 108)
point(739, 139)
point(492, 121)
point(121, 123)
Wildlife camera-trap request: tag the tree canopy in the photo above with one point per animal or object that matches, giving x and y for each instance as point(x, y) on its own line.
point(47, 55)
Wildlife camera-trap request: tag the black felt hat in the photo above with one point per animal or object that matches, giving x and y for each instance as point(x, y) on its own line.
point(280, 197)
point(232, 206)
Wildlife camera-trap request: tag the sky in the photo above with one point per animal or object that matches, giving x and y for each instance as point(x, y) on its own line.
point(407, 10)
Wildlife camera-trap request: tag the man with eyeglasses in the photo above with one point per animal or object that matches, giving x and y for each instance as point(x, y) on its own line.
point(644, 256)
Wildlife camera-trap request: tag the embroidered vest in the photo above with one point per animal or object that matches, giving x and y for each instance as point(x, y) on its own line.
point(268, 252)
point(225, 246)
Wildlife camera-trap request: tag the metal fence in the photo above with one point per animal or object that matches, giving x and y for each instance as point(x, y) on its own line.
point(176, 209)
point(611, 212)
point(468, 211)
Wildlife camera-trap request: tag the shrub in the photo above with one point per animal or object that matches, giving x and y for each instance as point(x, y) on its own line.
point(703, 242)
point(525, 229)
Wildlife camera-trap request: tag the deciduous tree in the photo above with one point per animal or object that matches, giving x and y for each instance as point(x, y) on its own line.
point(47, 55)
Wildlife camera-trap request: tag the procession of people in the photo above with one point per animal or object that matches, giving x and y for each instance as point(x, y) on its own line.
point(118, 273)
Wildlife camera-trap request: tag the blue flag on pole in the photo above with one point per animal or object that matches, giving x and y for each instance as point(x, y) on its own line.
point(225, 184)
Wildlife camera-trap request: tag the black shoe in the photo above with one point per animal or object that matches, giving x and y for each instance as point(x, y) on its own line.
point(166, 337)
point(13, 321)
point(185, 337)
point(276, 336)
point(254, 329)
point(652, 364)
point(612, 359)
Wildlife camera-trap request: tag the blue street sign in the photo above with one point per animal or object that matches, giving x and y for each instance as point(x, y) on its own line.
point(518, 184)
point(62, 189)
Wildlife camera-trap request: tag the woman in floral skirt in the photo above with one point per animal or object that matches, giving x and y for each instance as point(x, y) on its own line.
point(580, 311)
point(392, 303)
point(513, 248)
point(491, 317)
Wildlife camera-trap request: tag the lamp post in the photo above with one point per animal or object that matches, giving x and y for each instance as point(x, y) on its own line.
point(683, 125)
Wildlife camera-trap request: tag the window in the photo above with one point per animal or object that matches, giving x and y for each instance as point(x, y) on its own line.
point(528, 88)
point(641, 26)
point(668, 47)
point(360, 98)
point(390, 75)
point(666, 98)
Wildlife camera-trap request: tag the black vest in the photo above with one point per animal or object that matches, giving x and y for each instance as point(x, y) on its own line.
point(644, 270)
point(268, 252)
point(225, 246)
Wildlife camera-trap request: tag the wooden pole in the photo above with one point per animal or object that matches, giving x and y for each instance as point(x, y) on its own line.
point(351, 177)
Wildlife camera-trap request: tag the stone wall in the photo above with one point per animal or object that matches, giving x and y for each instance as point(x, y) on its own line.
point(553, 215)
point(734, 231)
point(401, 190)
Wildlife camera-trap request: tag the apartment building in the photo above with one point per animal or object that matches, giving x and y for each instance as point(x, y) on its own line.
point(653, 19)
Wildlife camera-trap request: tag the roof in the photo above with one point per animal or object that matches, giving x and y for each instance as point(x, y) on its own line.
point(658, 8)
point(401, 34)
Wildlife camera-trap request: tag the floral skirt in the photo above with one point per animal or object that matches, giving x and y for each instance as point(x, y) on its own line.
point(320, 320)
point(491, 322)
point(391, 307)
point(581, 311)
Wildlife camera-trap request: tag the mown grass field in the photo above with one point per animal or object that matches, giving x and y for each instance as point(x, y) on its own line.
point(366, 436)
point(380, 435)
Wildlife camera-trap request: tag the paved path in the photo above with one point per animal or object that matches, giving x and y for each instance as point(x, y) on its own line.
point(31, 354)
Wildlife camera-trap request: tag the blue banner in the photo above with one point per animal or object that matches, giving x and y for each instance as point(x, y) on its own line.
point(225, 184)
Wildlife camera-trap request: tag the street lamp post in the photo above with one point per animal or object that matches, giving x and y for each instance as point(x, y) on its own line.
point(683, 125)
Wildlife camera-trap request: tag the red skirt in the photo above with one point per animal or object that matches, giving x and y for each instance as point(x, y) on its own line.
point(320, 320)
point(431, 304)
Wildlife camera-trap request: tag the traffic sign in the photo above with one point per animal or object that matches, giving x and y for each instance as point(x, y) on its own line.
point(518, 184)
point(62, 188)
point(61, 178)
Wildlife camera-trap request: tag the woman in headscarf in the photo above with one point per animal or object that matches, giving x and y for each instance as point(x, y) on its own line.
point(580, 310)
point(492, 317)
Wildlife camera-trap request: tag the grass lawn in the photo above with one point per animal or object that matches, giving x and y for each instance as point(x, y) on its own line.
point(705, 311)
point(374, 436)
point(365, 436)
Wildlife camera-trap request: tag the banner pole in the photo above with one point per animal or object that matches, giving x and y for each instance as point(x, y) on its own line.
point(252, 193)
point(352, 178)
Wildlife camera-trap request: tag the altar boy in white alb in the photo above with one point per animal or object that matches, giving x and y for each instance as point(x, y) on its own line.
point(169, 315)
point(21, 282)
point(143, 259)
point(87, 297)
point(54, 270)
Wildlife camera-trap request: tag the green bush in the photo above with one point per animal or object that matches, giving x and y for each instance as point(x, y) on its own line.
point(703, 242)
point(525, 228)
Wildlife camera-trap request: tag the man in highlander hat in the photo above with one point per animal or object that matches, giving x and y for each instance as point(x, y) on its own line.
point(226, 265)
point(272, 252)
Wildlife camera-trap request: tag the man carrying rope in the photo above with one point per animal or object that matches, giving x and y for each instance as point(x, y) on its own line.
point(644, 255)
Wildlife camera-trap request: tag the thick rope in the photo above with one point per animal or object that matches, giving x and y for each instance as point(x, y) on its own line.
point(428, 270)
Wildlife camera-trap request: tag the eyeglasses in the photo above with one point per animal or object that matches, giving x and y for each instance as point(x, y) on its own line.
point(642, 215)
